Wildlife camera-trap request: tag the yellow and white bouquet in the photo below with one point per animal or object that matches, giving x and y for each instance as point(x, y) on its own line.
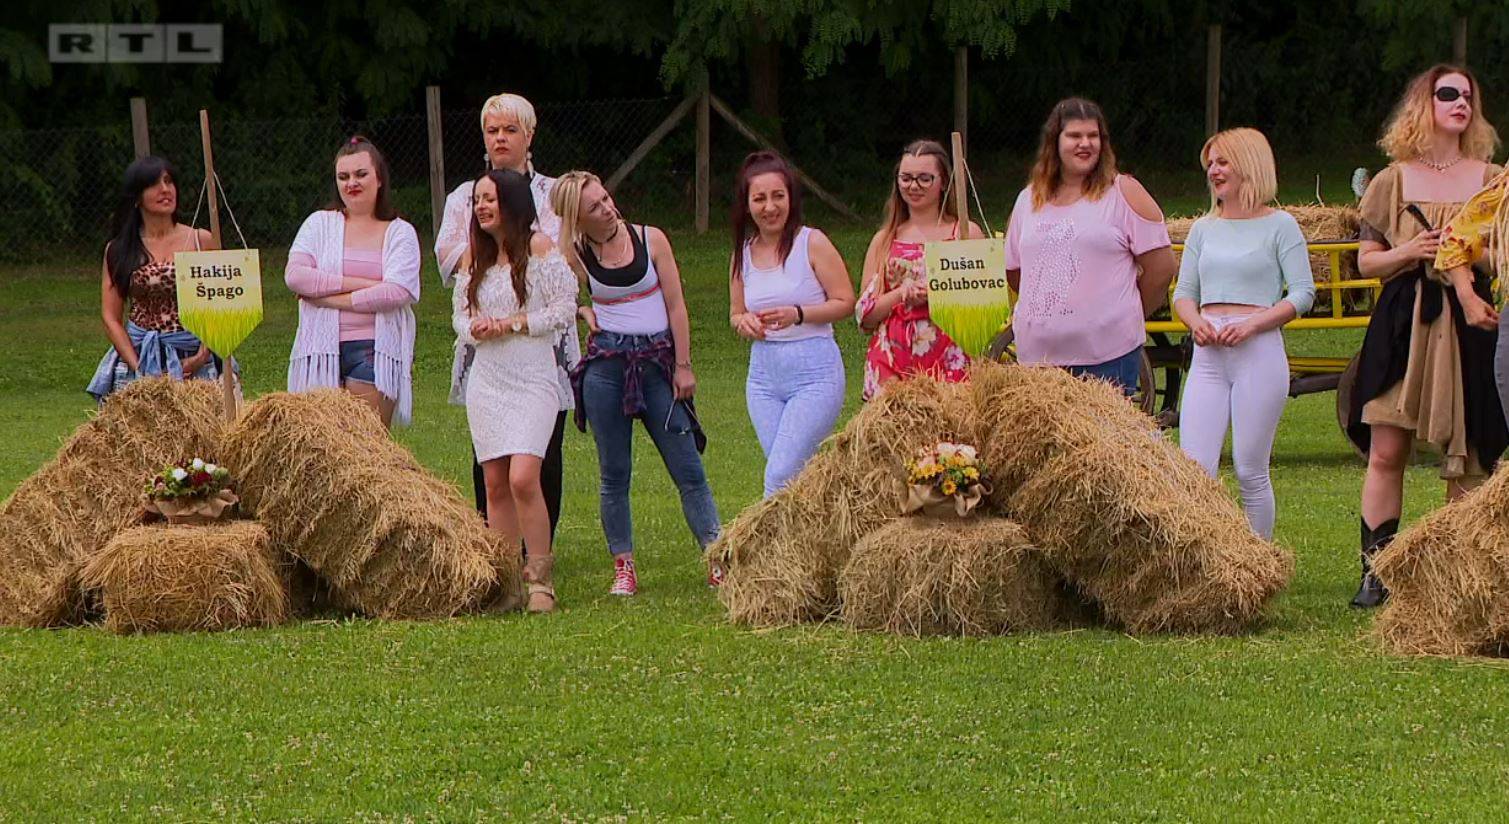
point(945, 476)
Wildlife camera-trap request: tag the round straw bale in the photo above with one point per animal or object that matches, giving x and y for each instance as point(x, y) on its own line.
point(187, 578)
point(782, 556)
point(335, 491)
point(1448, 578)
point(972, 576)
point(66, 511)
point(1140, 528)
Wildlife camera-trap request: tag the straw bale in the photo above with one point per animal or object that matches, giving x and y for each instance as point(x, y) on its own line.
point(1448, 578)
point(390, 539)
point(168, 578)
point(783, 555)
point(930, 576)
point(70, 507)
point(1125, 516)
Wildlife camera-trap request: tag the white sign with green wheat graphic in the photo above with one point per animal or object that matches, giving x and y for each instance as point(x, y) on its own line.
point(219, 296)
point(967, 295)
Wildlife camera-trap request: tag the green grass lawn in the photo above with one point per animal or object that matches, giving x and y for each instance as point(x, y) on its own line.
point(656, 708)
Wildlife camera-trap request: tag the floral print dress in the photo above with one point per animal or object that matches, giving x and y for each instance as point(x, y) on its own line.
point(906, 342)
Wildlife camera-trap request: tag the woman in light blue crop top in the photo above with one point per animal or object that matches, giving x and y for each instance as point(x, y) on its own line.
point(1244, 274)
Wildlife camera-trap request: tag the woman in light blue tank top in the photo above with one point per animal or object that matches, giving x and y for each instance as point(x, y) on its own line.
point(787, 286)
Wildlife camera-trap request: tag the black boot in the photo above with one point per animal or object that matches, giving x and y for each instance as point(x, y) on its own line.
point(1371, 592)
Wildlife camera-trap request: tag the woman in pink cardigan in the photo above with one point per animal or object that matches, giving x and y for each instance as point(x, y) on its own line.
point(355, 268)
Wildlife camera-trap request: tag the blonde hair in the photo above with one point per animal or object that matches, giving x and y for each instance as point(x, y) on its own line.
point(1407, 135)
point(1049, 168)
point(1248, 152)
point(516, 107)
point(898, 212)
point(566, 200)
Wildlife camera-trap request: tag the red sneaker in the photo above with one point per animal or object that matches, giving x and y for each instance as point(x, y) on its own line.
point(714, 576)
point(625, 582)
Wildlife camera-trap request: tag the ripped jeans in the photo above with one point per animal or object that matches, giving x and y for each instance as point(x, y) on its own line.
point(602, 400)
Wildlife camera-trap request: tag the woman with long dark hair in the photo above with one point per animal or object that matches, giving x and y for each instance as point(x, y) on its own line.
point(138, 287)
point(508, 124)
point(514, 294)
point(1088, 252)
point(787, 285)
point(1425, 372)
point(638, 363)
point(355, 267)
point(893, 300)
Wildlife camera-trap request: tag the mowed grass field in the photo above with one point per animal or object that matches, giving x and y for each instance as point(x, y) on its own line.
point(656, 708)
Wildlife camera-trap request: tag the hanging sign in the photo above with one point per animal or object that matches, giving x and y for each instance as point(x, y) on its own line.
point(967, 295)
point(219, 296)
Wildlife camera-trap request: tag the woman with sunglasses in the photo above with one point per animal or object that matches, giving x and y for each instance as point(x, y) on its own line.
point(893, 298)
point(1425, 372)
point(638, 363)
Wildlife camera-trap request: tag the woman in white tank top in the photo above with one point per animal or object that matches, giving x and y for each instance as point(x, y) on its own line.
point(787, 285)
point(638, 363)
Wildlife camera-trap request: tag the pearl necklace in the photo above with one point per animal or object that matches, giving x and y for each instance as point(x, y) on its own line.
point(1440, 167)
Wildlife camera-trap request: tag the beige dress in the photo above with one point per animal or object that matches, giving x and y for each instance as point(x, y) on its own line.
point(1428, 401)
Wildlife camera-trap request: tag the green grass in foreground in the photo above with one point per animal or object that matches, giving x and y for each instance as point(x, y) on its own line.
point(657, 708)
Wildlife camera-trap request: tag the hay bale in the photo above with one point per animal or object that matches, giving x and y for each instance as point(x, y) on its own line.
point(390, 539)
point(782, 556)
point(928, 576)
point(1448, 578)
point(1125, 516)
point(189, 578)
point(67, 510)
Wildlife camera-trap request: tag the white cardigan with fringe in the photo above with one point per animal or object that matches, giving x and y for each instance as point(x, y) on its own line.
point(316, 359)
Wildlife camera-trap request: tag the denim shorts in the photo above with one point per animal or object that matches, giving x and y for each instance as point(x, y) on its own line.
point(356, 361)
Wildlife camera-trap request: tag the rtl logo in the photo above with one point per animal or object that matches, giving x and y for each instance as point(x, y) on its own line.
point(134, 43)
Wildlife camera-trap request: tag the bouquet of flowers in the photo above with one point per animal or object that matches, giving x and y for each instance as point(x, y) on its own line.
point(945, 477)
point(190, 492)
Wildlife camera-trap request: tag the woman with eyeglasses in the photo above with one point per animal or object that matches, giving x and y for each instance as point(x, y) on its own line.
point(1425, 372)
point(893, 298)
point(638, 363)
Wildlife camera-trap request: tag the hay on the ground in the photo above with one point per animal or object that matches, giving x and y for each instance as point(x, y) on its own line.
point(783, 555)
point(1128, 518)
point(66, 511)
point(929, 576)
point(189, 578)
point(1448, 578)
point(335, 491)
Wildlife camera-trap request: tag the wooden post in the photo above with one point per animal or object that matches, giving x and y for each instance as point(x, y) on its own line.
point(704, 157)
point(227, 376)
point(1212, 79)
point(1459, 41)
point(141, 137)
point(437, 157)
point(760, 140)
point(961, 92)
point(650, 142)
point(961, 184)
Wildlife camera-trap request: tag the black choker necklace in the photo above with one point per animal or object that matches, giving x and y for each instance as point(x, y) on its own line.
point(609, 239)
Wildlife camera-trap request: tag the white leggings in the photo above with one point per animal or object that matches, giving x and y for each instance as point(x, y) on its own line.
point(1244, 386)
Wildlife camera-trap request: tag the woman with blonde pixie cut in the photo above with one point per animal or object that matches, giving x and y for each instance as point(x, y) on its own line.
point(1426, 367)
point(508, 128)
point(638, 363)
point(1245, 273)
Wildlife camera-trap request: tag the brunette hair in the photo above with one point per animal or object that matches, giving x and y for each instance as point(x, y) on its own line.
point(126, 252)
point(516, 214)
point(756, 164)
point(897, 211)
point(1048, 170)
point(383, 209)
point(1407, 135)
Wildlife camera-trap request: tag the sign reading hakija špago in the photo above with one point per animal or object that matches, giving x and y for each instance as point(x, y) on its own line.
point(967, 295)
point(219, 296)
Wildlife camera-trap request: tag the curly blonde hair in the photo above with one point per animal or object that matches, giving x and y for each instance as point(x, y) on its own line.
point(1407, 135)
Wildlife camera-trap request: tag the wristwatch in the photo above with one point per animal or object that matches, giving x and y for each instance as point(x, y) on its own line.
point(517, 326)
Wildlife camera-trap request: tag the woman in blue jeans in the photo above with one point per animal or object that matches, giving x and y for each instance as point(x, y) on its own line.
point(787, 285)
point(638, 363)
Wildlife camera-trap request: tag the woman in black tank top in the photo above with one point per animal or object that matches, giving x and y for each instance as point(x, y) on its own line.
point(637, 365)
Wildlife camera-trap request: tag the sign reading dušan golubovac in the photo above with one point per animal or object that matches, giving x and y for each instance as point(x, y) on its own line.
point(219, 296)
point(967, 295)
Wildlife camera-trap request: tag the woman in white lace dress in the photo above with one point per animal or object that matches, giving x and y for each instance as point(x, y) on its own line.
point(512, 300)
